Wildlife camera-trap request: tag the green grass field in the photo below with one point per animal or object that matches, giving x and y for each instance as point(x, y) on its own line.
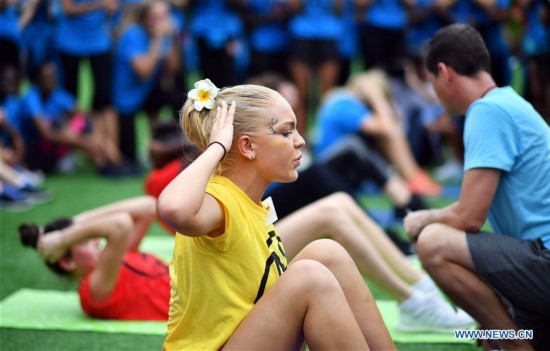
point(21, 267)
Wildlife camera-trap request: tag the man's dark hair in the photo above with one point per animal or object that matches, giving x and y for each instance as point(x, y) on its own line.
point(461, 47)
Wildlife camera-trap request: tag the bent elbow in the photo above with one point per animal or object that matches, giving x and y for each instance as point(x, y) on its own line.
point(473, 226)
point(172, 214)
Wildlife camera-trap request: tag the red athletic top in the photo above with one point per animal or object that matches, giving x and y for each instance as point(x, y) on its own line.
point(142, 291)
point(158, 179)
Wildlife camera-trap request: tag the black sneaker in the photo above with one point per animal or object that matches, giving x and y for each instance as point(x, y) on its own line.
point(112, 171)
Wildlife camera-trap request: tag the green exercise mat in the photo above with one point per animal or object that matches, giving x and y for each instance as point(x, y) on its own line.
point(161, 246)
point(60, 310)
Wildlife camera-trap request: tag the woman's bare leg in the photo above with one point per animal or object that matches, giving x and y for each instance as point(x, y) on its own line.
point(105, 127)
point(328, 75)
point(306, 304)
point(331, 217)
point(384, 246)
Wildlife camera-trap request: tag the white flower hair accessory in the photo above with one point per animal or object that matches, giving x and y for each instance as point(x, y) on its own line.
point(204, 94)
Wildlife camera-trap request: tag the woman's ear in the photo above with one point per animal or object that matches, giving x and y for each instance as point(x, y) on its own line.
point(245, 146)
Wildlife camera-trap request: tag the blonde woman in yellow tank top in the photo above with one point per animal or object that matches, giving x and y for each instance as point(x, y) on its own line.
point(232, 287)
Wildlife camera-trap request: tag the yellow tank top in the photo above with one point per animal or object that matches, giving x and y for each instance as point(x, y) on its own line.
point(216, 281)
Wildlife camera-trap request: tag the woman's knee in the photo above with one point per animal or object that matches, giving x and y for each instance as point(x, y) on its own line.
point(328, 252)
point(331, 211)
point(309, 276)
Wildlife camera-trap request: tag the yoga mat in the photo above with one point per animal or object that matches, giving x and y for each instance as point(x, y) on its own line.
point(161, 246)
point(60, 310)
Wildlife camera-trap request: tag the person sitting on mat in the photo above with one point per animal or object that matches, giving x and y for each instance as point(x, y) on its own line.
point(233, 286)
point(117, 281)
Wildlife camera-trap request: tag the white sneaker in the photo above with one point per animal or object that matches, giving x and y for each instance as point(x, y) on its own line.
point(432, 314)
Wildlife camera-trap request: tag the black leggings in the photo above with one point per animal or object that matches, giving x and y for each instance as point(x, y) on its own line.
point(314, 183)
point(102, 73)
point(356, 161)
point(216, 65)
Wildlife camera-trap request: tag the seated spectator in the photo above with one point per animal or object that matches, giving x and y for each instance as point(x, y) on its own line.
point(116, 281)
point(52, 125)
point(357, 125)
point(428, 127)
point(502, 279)
point(20, 187)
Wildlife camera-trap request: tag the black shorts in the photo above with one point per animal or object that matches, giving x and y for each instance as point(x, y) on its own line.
point(519, 272)
point(314, 51)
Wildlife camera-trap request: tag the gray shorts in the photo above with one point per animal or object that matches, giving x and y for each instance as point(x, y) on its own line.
point(519, 272)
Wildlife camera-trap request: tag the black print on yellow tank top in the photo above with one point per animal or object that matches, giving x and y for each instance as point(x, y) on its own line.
point(272, 259)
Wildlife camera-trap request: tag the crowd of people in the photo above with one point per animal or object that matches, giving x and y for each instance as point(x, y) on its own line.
point(295, 122)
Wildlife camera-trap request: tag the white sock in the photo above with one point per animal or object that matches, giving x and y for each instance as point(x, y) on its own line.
point(426, 284)
point(416, 300)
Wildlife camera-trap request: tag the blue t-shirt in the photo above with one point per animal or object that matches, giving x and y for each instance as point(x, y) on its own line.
point(341, 115)
point(536, 39)
point(348, 43)
point(38, 36)
point(418, 34)
point(53, 110)
point(130, 90)
point(269, 37)
point(12, 108)
point(317, 20)
point(85, 34)
point(9, 27)
point(389, 14)
point(504, 132)
point(213, 21)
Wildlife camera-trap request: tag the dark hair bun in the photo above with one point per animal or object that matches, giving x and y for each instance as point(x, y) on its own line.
point(28, 234)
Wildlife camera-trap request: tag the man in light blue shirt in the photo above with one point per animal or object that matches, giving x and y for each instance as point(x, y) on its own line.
point(502, 279)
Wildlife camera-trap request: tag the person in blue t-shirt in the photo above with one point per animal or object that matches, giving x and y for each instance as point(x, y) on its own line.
point(51, 125)
point(502, 279)
point(83, 30)
point(382, 33)
point(536, 53)
point(315, 31)
point(266, 21)
point(10, 34)
point(358, 129)
point(218, 33)
point(147, 57)
point(37, 31)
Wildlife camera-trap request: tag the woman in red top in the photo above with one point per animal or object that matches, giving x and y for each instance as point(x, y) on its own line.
point(116, 281)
